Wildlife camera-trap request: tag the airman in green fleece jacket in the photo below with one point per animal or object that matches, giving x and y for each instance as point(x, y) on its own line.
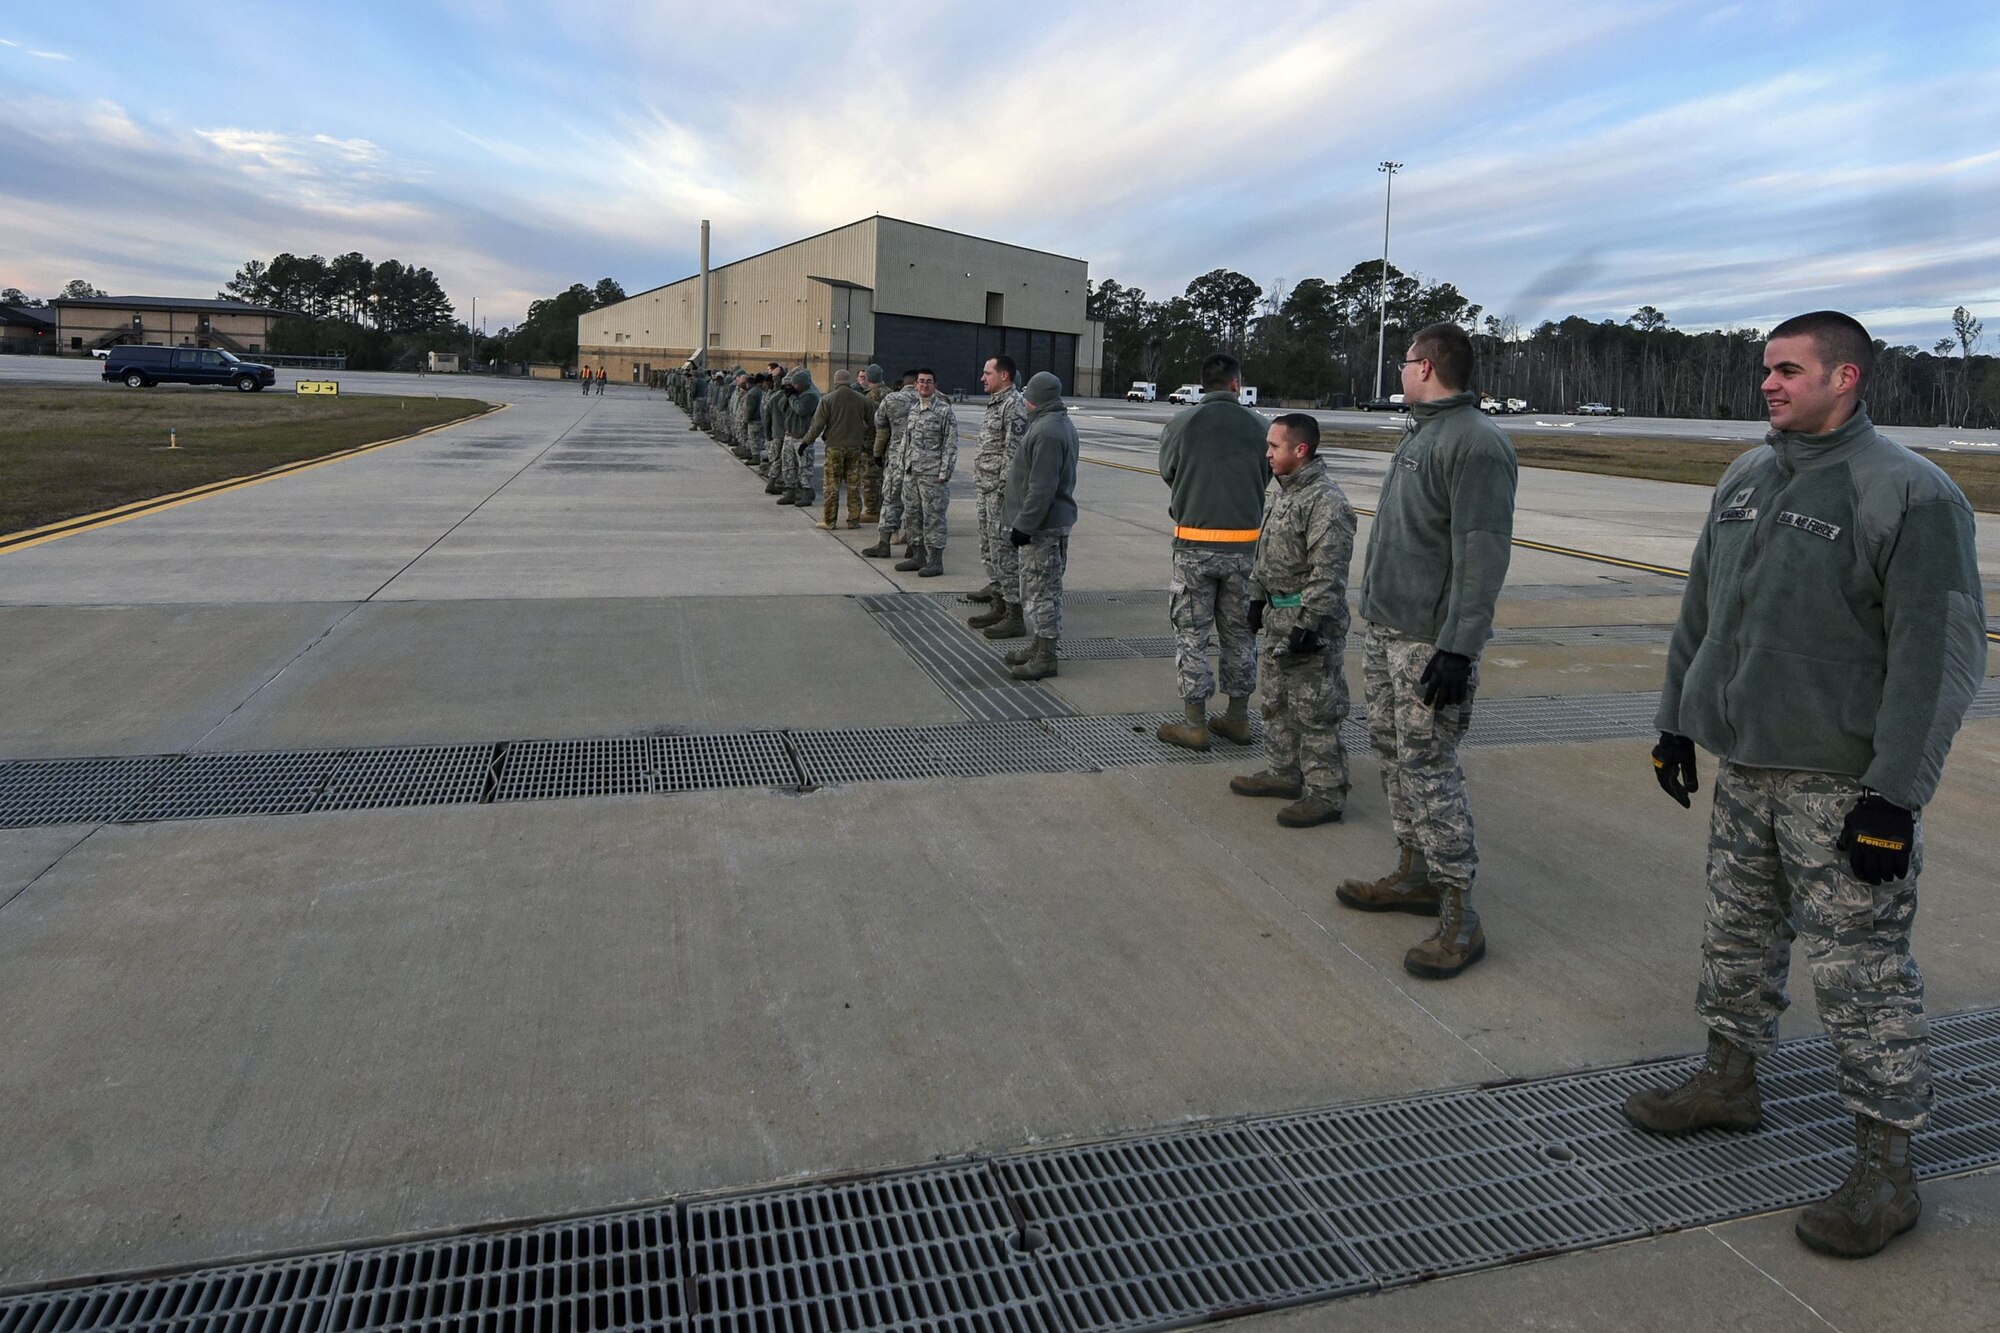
point(1437, 555)
point(1830, 640)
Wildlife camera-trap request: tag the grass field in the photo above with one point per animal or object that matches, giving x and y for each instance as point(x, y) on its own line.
point(1697, 461)
point(71, 451)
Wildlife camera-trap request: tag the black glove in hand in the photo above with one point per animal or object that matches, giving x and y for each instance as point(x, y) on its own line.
point(1447, 679)
point(1256, 617)
point(1877, 838)
point(1673, 765)
point(1302, 641)
point(1018, 537)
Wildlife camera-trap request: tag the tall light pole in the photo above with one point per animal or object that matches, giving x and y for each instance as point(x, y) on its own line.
point(1382, 324)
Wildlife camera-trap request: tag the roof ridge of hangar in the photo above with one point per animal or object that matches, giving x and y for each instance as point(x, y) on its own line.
point(872, 217)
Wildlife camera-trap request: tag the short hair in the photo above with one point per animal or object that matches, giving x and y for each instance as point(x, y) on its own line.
point(1300, 429)
point(774, 365)
point(1218, 370)
point(1839, 339)
point(1005, 365)
point(909, 377)
point(922, 371)
point(1449, 350)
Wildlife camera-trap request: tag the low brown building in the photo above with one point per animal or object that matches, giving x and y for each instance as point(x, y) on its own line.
point(86, 324)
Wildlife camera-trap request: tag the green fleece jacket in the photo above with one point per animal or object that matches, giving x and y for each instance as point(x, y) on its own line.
point(1444, 527)
point(846, 418)
point(1212, 455)
point(1833, 618)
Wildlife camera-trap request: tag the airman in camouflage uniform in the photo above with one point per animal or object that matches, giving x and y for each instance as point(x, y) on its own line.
point(891, 416)
point(776, 402)
point(1830, 640)
point(1298, 592)
point(1437, 558)
point(874, 388)
point(1000, 432)
point(795, 472)
point(930, 452)
point(1037, 511)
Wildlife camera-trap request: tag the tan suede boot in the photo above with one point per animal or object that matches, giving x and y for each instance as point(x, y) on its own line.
point(1407, 888)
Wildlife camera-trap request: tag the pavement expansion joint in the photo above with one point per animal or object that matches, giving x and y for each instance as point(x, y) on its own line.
point(1151, 1230)
point(145, 788)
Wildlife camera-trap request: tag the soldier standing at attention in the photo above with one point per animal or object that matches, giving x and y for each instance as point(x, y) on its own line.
point(753, 421)
point(1000, 432)
point(1298, 603)
point(775, 404)
point(930, 451)
point(890, 418)
point(1038, 510)
point(1437, 556)
point(1213, 456)
point(872, 386)
point(1831, 637)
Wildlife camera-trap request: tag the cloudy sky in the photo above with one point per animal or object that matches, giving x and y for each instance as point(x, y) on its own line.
point(1728, 163)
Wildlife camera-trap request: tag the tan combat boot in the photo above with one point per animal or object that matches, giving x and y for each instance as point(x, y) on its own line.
point(1268, 783)
point(985, 594)
point(1233, 725)
point(1722, 1094)
point(1456, 944)
point(996, 607)
point(1190, 733)
point(912, 561)
point(1875, 1204)
point(1407, 888)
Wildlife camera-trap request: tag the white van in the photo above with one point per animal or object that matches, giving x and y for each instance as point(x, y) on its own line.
point(1247, 396)
point(1142, 392)
point(1187, 393)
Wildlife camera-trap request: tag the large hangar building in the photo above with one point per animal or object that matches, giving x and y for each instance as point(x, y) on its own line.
point(880, 290)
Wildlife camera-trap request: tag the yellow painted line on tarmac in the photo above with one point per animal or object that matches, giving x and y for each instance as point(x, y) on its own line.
point(70, 527)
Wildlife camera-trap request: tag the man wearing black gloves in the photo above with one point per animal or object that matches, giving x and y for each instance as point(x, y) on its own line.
point(1437, 555)
point(1830, 639)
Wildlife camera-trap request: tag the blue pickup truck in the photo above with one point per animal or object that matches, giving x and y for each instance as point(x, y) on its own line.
point(141, 367)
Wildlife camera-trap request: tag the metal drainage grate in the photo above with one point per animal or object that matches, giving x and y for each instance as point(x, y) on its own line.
point(1152, 1231)
point(701, 763)
point(1175, 1229)
point(410, 775)
point(255, 1298)
point(75, 791)
point(543, 770)
point(962, 665)
point(207, 786)
point(617, 1272)
point(1440, 1185)
point(888, 754)
point(928, 1250)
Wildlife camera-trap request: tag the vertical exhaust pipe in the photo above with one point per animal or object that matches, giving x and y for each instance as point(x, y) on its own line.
point(701, 351)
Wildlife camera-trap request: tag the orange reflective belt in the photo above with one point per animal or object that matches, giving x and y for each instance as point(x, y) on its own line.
point(1215, 534)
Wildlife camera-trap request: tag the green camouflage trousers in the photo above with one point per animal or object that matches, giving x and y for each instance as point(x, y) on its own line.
point(1305, 701)
point(1773, 874)
point(1043, 561)
point(1209, 600)
point(996, 552)
point(850, 466)
point(1418, 747)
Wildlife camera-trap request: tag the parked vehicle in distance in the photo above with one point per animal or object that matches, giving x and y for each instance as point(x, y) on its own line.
point(101, 353)
point(139, 367)
point(1187, 393)
point(1247, 396)
point(1598, 410)
point(1490, 405)
point(1518, 405)
point(1393, 403)
point(1142, 392)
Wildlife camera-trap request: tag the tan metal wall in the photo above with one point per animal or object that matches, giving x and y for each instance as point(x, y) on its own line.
point(163, 328)
point(937, 274)
point(770, 308)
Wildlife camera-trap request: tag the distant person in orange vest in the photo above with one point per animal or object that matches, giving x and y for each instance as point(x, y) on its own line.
point(584, 375)
point(602, 375)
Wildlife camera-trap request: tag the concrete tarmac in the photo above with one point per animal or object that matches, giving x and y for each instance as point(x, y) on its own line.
point(231, 1037)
